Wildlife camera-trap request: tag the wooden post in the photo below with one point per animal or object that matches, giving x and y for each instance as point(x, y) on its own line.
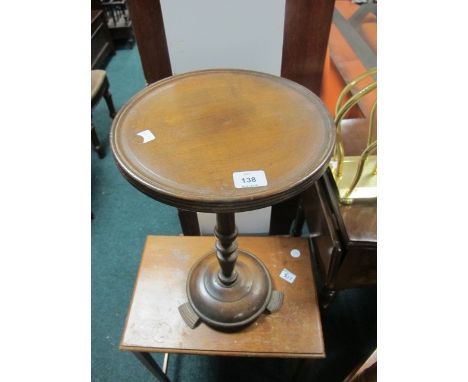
point(189, 222)
point(307, 26)
point(306, 30)
point(150, 36)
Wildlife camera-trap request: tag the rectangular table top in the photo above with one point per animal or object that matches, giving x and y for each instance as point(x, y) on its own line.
point(154, 324)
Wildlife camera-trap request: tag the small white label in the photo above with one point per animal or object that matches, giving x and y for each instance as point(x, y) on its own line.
point(147, 136)
point(287, 275)
point(295, 252)
point(246, 179)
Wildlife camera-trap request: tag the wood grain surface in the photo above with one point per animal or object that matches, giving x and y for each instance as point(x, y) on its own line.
point(306, 31)
point(208, 125)
point(154, 325)
point(360, 220)
point(150, 35)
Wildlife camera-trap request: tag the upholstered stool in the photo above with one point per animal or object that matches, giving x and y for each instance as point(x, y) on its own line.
point(99, 89)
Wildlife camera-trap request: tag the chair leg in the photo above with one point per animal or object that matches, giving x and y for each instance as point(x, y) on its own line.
point(327, 295)
point(298, 221)
point(95, 142)
point(282, 216)
point(189, 223)
point(110, 103)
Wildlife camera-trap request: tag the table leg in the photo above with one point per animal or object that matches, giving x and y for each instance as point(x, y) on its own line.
point(148, 361)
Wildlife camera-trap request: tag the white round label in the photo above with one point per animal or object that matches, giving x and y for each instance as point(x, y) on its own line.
point(295, 253)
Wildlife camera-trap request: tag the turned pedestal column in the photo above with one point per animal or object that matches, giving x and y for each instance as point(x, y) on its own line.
point(230, 287)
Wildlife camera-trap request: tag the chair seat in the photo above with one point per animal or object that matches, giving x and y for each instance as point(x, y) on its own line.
point(98, 78)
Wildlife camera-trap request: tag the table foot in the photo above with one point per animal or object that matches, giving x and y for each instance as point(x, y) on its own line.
point(233, 306)
point(275, 302)
point(191, 318)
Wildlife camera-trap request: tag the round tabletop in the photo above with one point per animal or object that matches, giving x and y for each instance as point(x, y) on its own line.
point(223, 140)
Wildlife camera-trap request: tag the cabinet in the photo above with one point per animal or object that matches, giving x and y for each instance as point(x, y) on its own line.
point(101, 41)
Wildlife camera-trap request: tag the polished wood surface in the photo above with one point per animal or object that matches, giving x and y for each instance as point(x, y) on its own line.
point(360, 220)
point(154, 325)
point(354, 132)
point(306, 31)
point(148, 26)
point(208, 125)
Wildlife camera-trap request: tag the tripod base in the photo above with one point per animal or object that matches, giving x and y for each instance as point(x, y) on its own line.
point(229, 307)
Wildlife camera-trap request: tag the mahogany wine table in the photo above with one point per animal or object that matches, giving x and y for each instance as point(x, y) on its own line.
point(154, 325)
point(223, 141)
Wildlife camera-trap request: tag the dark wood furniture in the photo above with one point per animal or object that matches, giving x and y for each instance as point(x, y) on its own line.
point(306, 31)
point(355, 133)
point(344, 238)
point(150, 35)
point(153, 324)
point(229, 120)
point(118, 19)
point(220, 141)
point(99, 90)
point(101, 41)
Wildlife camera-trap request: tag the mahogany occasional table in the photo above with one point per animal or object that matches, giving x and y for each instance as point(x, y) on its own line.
point(153, 323)
point(223, 141)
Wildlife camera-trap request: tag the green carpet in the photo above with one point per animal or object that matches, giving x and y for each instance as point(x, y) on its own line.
point(123, 217)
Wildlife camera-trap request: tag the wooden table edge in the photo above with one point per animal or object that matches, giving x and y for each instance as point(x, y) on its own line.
point(198, 203)
point(127, 348)
point(130, 303)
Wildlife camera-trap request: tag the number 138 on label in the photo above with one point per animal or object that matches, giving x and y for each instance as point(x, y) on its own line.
point(249, 179)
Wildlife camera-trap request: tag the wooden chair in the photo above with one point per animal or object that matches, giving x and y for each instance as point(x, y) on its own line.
point(306, 31)
point(100, 89)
